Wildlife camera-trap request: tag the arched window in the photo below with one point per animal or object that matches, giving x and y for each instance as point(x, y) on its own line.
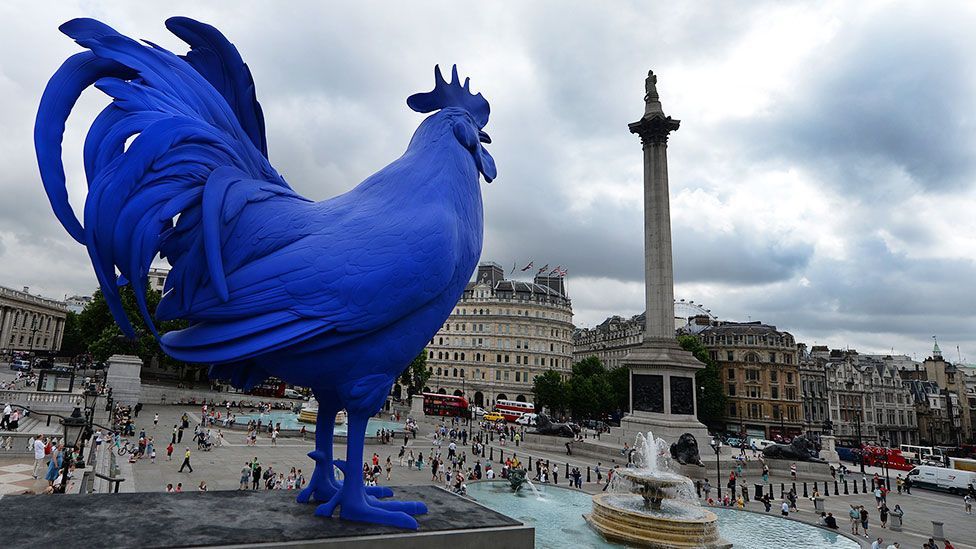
point(462, 372)
point(438, 370)
point(462, 356)
point(455, 356)
point(455, 373)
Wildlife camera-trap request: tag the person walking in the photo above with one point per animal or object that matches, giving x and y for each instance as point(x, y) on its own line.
point(864, 522)
point(40, 446)
point(155, 420)
point(968, 502)
point(855, 519)
point(169, 452)
point(245, 476)
point(186, 461)
point(793, 470)
point(884, 515)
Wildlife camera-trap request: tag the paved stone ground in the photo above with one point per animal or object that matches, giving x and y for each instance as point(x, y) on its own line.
point(220, 468)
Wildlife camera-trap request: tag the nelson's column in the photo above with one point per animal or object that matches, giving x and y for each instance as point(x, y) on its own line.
point(662, 374)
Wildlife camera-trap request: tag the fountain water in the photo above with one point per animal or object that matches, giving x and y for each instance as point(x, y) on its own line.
point(651, 506)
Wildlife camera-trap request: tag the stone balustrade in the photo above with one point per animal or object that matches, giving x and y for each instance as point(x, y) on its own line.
point(42, 401)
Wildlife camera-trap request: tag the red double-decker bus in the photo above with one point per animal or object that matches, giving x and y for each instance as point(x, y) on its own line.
point(445, 405)
point(271, 387)
point(878, 455)
point(513, 409)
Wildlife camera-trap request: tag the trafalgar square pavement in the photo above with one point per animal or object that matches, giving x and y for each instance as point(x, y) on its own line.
point(220, 468)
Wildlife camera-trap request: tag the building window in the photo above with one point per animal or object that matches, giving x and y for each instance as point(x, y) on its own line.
point(732, 410)
point(772, 376)
point(752, 375)
point(774, 392)
point(789, 377)
point(731, 374)
point(730, 356)
point(772, 357)
point(732, 389)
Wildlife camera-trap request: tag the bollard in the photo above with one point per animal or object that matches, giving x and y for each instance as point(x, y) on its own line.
point(864, 484)
point(588, 474)
point(491, 453)
point(794, 488)
point(836, 493)
point(759, 492)
point(855, 487)
point(548, 466)
point(530, 463)
point(938, 533)
point(781, 490)
point(805, 493)
point(501, 455)
point(567, 469)
point(846, 492)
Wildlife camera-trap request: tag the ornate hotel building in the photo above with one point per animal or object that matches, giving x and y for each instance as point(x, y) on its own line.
point(760, 370)
point(501, 335)
point(29, 322)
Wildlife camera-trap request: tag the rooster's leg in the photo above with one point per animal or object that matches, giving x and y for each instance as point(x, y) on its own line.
point(353, 501)
point(323, 485)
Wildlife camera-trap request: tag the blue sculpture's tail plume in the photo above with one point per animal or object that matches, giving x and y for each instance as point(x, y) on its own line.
point(186, 118)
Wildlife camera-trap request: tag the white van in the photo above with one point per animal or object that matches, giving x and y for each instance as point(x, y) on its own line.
point(761, 443)
point(940, 478)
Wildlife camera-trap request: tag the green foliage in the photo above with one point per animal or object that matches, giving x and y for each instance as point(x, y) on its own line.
point(712, 401)
point(72, 343)
point(415, 376)
point(591, 392)
point(550, 391)
point(102, 337)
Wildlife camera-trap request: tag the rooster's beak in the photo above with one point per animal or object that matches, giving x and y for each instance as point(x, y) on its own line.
point(483, 137)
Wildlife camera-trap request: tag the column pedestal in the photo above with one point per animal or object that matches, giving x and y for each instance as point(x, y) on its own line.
point(828, 449)
point(662, 391)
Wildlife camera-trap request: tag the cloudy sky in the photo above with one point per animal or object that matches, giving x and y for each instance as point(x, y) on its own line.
point(822, 179)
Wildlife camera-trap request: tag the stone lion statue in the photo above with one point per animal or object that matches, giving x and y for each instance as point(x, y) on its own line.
point(801, 449)
point(685, 450)
point(545, 426)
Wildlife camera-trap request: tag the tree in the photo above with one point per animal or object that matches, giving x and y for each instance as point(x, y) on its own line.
point(102, 337)
point(72, 342)
point(550, 391)
point(593, 391)
point(415, 376)
point(712, 400)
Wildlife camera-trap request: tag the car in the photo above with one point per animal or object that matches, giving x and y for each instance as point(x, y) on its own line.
point(477, 411)
point(493, 416)
point(291, 393)
point(21, 365)
point(527, 419)
point(735, 442)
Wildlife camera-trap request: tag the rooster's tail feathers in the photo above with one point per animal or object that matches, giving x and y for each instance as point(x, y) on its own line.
point(184, 127)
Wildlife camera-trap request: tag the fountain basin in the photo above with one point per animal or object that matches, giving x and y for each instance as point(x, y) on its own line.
point(622, 518)
point(556, 515)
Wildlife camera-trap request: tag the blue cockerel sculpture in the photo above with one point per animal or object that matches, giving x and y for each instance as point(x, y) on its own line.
point(338, 295)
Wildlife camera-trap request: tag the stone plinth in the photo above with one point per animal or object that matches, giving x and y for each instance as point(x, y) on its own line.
point(123, 377)
point(248, 518)
point(828, 449)
point(663, 398)
point(417, 406)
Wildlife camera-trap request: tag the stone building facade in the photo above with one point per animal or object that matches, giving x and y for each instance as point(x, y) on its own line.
point(30, 322)
point(502, 334)
point(760, 372)
point(945, 402)
point(612, 339)
point(813, 391)
point(868, 399)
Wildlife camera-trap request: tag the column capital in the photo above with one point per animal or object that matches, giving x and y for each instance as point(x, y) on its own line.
point(653, 129)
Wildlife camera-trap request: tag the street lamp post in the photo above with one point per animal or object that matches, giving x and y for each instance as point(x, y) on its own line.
point(717, 446)
point(884, 443)
point(74, 426)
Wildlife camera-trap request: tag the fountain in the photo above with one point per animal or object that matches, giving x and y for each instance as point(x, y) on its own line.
point(654, 507)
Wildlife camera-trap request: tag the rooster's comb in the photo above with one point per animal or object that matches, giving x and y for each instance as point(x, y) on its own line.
point(451, 95)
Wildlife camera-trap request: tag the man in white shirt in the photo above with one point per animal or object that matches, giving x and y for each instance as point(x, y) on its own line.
point(39, 445)
point(5, 422)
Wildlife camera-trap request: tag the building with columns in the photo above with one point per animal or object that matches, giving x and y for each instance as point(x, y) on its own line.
point(30, 322)
point(501, 335)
